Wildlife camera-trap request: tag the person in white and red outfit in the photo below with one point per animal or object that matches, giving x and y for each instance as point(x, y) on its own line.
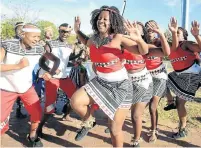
point(142, 79)
point(185, 80)
point(110, 89)
point(158, 72)
point(18, 58)
point(61, 49)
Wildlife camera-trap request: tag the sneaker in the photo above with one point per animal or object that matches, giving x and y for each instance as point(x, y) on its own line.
point(107, 130)
point(181, 134)
point(136, 143)
point(170, 107)
point(83, 132)
point(35, 142)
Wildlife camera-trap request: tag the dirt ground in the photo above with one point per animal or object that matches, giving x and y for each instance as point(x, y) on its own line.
point(58, 133)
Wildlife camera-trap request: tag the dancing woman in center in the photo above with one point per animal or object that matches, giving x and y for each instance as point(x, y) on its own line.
point(110, 89)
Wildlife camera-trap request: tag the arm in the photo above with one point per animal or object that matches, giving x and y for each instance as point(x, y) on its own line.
point(8, 67)
point(73, 56)
point(83, 38)
point(192, 46)
point(155, 51)
point(165, 45)
point(163, 42)
point(135, 38)
point(173, 27)
point(195, 32)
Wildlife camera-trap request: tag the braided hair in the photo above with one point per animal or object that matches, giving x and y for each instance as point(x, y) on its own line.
point(116, 20)
point(185, 32)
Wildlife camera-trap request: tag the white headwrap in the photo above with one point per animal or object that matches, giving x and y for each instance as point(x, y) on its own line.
point(31, 30)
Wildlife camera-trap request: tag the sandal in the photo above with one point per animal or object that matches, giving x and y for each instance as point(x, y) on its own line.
point(35, 141)
point(152, 136)
point(135, 143)
point(182, 133)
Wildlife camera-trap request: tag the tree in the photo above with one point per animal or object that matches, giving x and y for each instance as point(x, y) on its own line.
point(23, 11)
point(71, 39)
point(7, 29)
point(43, 24)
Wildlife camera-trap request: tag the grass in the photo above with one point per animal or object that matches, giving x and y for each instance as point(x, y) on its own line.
point(193, 109)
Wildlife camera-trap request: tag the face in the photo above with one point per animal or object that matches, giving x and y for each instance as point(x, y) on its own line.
point(48, 34)
point(18, 31)
point(103, 22)
point(151, 35)
point(180, 35)
point(30, 39)
point(64, 33)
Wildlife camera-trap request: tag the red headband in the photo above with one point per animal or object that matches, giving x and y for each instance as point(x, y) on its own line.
point(108, 9)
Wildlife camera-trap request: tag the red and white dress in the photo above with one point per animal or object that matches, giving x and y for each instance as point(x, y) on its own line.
point(185, 79)
point(110, 89)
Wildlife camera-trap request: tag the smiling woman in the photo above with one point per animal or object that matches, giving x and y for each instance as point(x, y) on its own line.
point(110, 89)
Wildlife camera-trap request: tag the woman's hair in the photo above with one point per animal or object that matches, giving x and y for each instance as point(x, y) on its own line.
point(149, 22)
point(144, 31)
point(185, 32)
point(116, 20)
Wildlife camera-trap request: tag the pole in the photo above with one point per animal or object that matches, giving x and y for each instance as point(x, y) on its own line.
point(123, 8)
point(185, 13)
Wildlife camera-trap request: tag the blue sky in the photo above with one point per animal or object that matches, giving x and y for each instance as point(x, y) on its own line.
point(60, 11)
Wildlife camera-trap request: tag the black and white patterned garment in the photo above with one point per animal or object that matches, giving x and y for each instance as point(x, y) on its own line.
point(142, 86)
point(159, 76)
point(184, 85)
point(110, 95)
point(75, 74)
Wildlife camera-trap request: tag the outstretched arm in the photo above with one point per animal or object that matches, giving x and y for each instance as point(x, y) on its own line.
point(134, 42)
point(195, 32)
point(83, 38)
point(173, 27)
point(164, 44)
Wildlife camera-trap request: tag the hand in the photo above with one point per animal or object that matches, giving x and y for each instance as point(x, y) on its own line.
point(195, 28)
point(77, 24)
point(173, 27)
point(57, 71)
point(46, 76)
point(23, 63)
point(133, 31)
point(154, 27)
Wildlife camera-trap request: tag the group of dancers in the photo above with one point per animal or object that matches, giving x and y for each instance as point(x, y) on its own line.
point(130, 74)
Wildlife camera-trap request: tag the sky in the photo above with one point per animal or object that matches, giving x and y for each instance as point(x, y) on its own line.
point(64, 11)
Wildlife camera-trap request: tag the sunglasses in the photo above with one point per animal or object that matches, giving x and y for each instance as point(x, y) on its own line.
point(63, 31)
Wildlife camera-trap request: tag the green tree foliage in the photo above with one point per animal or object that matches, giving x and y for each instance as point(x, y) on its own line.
point(71, 39)
point(43, 24)
point(7, 29)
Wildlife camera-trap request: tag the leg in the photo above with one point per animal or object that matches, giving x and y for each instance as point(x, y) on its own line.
point(116, 127)
point(138, 110)
point(32, 104)
point(51, 95)
point(80, 102)
point(154, 117)
point(171, 102)
point(69, 88)
point(7, 101)
point(18, 110)
point(182, 118)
